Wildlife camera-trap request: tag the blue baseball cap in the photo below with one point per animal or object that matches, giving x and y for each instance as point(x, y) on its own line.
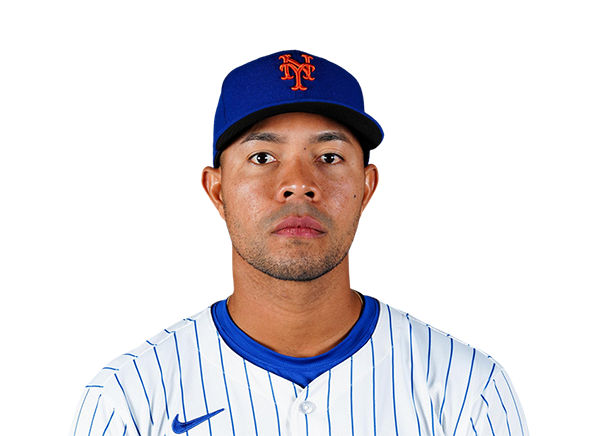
point(291, 81)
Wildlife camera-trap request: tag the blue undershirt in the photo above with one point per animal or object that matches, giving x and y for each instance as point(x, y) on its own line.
point(300, 370)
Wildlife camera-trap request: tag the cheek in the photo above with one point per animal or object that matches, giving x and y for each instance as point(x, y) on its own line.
point(245, 201)
point(344, 195)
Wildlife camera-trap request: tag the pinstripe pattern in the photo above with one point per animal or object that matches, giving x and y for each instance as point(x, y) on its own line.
point(466, 392)
point(76, 423)
point(428, 350)
point(94, 414)
point(306, 416)
point(250, 396)
point(514, 401)
point(201, 374)
point(162, 381)
point(503, 407)
point(393, 375)
point(128, 406)
point(328, 397)
point(473, 426)
point(491, 426)
point(432, 418)
point(275, 404)
point(145, 392)
point(489, 379)
point(447, 377)
point(180, 375)
point(225, 384)
point(374, 388)
point(412, 375)
point(408, 379)
point(351, 394)
point(108, 423)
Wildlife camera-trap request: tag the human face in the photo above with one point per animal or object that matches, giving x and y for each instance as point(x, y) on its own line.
point(291, 190)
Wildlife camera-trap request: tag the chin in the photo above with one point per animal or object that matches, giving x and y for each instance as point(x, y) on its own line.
point(297, 269)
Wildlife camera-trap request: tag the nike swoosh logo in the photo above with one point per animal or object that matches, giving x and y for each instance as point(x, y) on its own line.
point(181, 427)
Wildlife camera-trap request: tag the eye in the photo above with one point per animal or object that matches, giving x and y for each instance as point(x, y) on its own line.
point(331, 158)
point(262, 158)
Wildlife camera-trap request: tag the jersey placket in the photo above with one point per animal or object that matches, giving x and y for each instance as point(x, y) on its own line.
point(302, 410)
point(309, 414)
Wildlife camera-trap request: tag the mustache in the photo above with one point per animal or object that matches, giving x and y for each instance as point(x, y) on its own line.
point(299, 210)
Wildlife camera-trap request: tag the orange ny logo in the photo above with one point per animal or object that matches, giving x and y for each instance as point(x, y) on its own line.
point(306, 68)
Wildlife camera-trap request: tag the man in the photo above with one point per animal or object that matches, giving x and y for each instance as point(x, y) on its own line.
point(294, 350)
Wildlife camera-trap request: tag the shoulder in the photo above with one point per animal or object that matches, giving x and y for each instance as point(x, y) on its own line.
point(465, 382)
point(160, 348)
point(465, 386)
point(439, 356)
point(120, 395)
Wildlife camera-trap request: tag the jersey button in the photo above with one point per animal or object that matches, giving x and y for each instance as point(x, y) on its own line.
point(307, 407)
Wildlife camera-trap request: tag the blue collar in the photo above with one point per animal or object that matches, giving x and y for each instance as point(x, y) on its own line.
point(300, 370)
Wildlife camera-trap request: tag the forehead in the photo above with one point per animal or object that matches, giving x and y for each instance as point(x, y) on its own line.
point(298, 123)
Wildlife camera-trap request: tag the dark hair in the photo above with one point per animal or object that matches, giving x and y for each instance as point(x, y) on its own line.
point(366, 159)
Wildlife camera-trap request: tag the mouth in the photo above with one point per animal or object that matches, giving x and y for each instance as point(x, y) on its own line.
point(303, 227)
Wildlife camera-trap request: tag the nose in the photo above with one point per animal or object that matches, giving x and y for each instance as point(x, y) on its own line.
point(297, 182)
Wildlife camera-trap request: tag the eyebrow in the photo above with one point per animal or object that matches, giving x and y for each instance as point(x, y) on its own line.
point(333, 135)
point(264, 136)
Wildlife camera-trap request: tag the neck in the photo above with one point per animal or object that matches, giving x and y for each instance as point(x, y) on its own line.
point(299, 319)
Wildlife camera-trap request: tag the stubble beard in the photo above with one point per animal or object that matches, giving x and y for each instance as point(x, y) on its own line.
point(303, 265)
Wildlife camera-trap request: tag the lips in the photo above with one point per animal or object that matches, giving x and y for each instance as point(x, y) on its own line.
point(305, 226)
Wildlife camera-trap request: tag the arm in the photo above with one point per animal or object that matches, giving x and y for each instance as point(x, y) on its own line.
point(498, 411)
point(96, 415)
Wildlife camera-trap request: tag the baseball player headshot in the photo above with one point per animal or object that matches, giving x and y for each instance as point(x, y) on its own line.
point(295, 349)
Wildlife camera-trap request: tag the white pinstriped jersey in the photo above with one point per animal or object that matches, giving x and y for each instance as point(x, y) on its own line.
point(407, 379)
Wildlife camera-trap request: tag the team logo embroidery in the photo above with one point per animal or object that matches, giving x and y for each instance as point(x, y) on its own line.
point(300, 70)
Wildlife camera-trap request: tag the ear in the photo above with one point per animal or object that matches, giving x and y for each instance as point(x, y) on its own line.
point(371, 181)
point(211, 181)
